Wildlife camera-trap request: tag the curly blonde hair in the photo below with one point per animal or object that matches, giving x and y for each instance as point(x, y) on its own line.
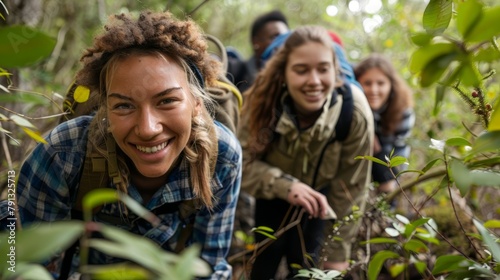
point(158, 34)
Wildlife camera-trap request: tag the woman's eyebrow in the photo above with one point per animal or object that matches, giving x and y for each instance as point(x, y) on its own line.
point(157, 95)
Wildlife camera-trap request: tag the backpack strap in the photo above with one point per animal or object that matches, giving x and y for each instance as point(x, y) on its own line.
point(343, 125)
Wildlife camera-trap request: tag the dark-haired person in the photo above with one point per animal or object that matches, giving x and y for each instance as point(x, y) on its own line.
point(149, 73)
point(391, 101)
point(264, 29)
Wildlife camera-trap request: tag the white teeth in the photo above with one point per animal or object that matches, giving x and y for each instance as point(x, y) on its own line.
point(313, 93)
point(151, 150)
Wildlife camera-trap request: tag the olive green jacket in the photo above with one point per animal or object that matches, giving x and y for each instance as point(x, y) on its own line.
point(297, 154)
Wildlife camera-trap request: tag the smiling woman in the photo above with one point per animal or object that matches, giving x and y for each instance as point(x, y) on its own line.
point(149, 74)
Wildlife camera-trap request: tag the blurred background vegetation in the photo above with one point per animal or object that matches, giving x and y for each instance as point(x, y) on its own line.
point(365, 26)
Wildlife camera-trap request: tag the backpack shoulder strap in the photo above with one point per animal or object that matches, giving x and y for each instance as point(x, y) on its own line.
point(343, 125)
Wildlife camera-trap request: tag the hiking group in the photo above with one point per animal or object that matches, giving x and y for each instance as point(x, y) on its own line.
point(149, 131)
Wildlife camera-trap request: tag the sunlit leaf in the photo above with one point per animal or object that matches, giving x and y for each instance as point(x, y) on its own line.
point(377, 262)
point(22, 46)
point(380, 240)
point(392, 232)
point(437, 16)
point(263, 228)
point(56, 236)
point(468, 14)
point(489, 241)
point(492, 224)
point(374, 159)
point(97, 197)
point(494, 124)
point(397, 161)
point(465, 178)
point(397, 269)
point(118, 271)
point(81, 94)
point(486, 28)
point(402, 219)
point(35, 135)
point(266, 234)
point(20, 121)
point(430, 164)
point(437, 145)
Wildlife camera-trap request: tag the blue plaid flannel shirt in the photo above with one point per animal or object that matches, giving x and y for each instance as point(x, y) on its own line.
point(48, 180)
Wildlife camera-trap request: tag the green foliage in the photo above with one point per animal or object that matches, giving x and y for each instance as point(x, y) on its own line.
point(150, 260)
point(22, 46)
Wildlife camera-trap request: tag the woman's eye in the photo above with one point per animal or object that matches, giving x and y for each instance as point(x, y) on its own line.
point(122, 106)
point(166, 101)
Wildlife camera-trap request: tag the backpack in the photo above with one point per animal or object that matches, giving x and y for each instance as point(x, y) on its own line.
point(98, 171)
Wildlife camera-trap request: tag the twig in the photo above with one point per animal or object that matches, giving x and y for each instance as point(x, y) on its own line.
point(32, 118)
point(190, 14)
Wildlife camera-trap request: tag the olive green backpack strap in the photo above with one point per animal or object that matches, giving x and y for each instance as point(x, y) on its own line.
point(97, 170)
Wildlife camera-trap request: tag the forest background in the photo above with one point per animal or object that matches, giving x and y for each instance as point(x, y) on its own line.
point(365, 26)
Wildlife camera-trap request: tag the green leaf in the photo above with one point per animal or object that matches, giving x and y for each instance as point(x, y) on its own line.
point(437, 16)
point(486, 28)
point(374, 159)
point(20, 121)
point(492, 224)
point(263, 228)
point(489, 54)
point(28, 271)
point(464, 178)
point(430, 164)
point(486, 142)
point(438, 100)
point(449, 263)
point(433, 71)
point(420, 266)
point(416, 246)
point(468, 14)
point(397, 269)
point(266, 234)
point(97, 197)
point(424, 55)
point(22, 46)
point(380, 240)
point(187, 259)
point(489, 241)
point(56, 236)
point(469, 75)
point(377, 262)
point(421, 39)
point(397, 161)
point(495, 118)
point(118, 271)
point(457, 141)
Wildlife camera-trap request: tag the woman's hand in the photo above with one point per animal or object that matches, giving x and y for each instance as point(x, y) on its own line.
point(315, 203)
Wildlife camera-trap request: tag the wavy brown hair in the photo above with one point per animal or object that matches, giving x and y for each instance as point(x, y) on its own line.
point(400, 97)
point(157, 34)
point(262, 99)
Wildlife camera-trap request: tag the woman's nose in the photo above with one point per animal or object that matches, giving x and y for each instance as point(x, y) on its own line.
point(148, 125)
